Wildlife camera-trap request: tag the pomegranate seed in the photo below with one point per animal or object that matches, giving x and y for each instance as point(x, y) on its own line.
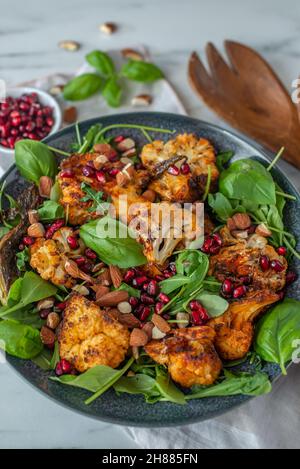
point(291, 277)
point(133, 301)
point(251, 229)
point(217, 238)
point(168, 274)
point(100, 176)
point(11, 142)
point(58, 369)
point(14, 114)
point(173, 170)
point(152, 288)
point(14, 132)
point(200, 316)
point(119, 139)
point(145, 313)
point(282, 294)
point(166, 316)
point(246, 280)
point(146, 299)
point(185, 168)
point(195, 305)
point(238, 292)
point(90, 254)
point(24, 106)
point(158, 307)
point(54, 227)
point(227, 287)
point(30, 126)
point(44, 313)
point(139, 281)
point(113, 156)
point(28, 240)
point(129, 275)
point(4, 130)
point(215, 248)
point(80, 260)
point(61, 306)
point(39, 122)
point(3, 142)
point(159, 278)
point(113, 172)
point(67, 173)
point(88, 171)
point(282, 251)
point(277, 266)
point(264, 263)
point(163, 298)
point(72, 242)
point(49, 121)
point(139, 309)
point(145, 286)
point(207, 245)
point(172, 267)
point(65, 366)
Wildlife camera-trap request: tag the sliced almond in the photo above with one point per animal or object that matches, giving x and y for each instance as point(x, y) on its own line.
point(69, 45)
point(131, 54)
point(56, 90)
point(53, 319)
point(157, 333)
point(240, 234)
point(150, 195)
point(73, 270)
point(124, 307)
point(108, 28)
point(184, 319)
point(116, 275)
point(121, 179)
point(45, 186)
point(100, 160)
point(47, 336)
point(113, 298)
point(126, 144)
point(36, 230)
point(98, 267)
point(263, 230)
point(138, 338)
point(242, 221)
point(129, 153)
point(70, 115)
point(81, 289)
point(141, 100)
point(148, 327)
point(33, 216)
point(104, 278)
point(161, 323)
point(126, 160)
point(45, 304)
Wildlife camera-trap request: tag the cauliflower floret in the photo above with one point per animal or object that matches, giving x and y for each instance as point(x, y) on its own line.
point(198, 153)
point(189, 355)
point(90, 336)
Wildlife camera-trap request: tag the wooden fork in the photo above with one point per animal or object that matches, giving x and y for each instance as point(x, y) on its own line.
point(249, 96)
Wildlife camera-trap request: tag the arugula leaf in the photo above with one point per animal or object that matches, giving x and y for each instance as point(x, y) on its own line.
point(111, 240)
point(22, 259)
point(233, 384)
point(34, 159)
point(82, 87)
point(101, 62)
point(112, 92)
point(141, 71)
point(19, 340)
point(99, 205)
point(277, 331)
point(50, 210)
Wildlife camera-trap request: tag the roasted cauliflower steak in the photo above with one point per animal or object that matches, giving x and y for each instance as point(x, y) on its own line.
point(197, 152)
point(90, 336)
point(189, 355)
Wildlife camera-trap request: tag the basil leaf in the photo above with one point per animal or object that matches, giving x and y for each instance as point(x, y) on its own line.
point(82, 87)
point(214, 304)
point(20, 340)
point(248, 180)
point(223, 158)
point(111, 240)
point(34, 159)
point(102, 62)
point(50, 210)
point(112, 92)
point(277, 331)
point(233, 384)
point(138, 70)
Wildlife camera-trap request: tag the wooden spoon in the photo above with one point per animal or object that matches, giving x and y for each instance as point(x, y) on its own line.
point(249, 96)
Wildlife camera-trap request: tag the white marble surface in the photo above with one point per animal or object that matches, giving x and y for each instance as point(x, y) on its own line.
point(29, 33)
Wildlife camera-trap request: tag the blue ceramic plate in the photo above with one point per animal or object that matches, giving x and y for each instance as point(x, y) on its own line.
point(127, 409)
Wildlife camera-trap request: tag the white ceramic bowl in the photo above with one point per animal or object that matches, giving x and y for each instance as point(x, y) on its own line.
point(46, 99)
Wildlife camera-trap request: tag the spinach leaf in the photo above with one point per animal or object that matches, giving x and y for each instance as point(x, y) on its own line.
point(221, 206)
point(43, 360)
point(223, 158)
point(277, 331)
point(131, 290)
point(20, 340)
point(97, 379)
point(138, 70)
point(55, 356)
point(27, 315)
point(112, 92)
point(168, 389)
point(111, 240)
point(233, 384)
point(214, 304)
point(139, 384)
point(101, 62)
point(55, 193)
point(82, 87)
point(3, 231)
point(248, 180)
point(34, 159)
point(22, 259)
point(50, 210)
point(173, 283)
point(30, 289)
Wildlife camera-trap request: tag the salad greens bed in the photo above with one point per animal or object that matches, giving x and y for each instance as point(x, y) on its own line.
point(244, 186)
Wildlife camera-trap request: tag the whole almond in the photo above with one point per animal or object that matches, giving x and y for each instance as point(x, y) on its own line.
point(70, 115)
point(263, 230)
point(131, 54)
point(113, 298)
point(150, 195)
point(138, 338)
point(104, 278)
point(47, 336)
point(36, 230)
point(100, 160)
point(126, 144)
point(101, 290)
point(124, 307)
point(160, 323)
point(73, 270)
point(45, 186)
point(53, 319)
point(108, 28)
point(242, 221)
point(184, 319)
point(129, 320)
point(129, 153)
point(46, 303)
point(231, 224)
point(56, 90)
point(157, 334)
point(121, 179)
point(148, 327)
point(103, 149)
point(240, 234)
point(33, 216)
point(141, 100)
point(81, 289)
point(69, 45)
point(116, 275)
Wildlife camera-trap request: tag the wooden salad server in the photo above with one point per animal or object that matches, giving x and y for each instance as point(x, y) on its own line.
point(248, 95)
